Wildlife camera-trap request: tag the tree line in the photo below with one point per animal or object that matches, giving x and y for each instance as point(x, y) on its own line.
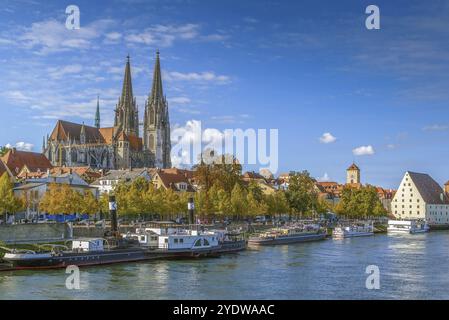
point(221, 194)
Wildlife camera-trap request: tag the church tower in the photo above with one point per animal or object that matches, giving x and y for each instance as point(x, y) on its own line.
point(97, 114)
point(156, 134)
point(126, 112)
point(353, 175)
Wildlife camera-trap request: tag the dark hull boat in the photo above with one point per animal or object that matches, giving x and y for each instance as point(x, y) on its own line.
point(233, 246)
point(20, 261)
point(62, 260)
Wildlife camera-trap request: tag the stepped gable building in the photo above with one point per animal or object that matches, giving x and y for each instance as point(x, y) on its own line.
point(118, 147)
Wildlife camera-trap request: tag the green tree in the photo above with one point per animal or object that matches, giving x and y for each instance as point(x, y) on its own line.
point(239, 201)
point(89, 204)
point(8, 202)
point(360, 203)
point(302, 195)
point(277, 203)
point(3, 151)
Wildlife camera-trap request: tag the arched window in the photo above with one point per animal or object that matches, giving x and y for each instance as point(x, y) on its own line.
point(152, 120)
point(151, 141)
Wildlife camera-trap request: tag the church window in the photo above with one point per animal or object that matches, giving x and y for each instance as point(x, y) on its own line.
point(152, 115)
point(151, 141)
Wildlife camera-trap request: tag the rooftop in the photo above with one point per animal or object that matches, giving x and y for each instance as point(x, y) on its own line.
point(428, 188)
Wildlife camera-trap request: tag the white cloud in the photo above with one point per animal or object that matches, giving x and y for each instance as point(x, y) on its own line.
point(52, 36)
point(324, 178)
point(436, 127)
point(113, 36)
point(164, 35)
point(179, 100)
point(327, 138)
point(207, 76)
point(391, 146)
point(58, 73)
point(23, 146)
point(363, 151)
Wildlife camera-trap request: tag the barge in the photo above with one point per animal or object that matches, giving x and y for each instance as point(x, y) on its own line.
point(287, 235)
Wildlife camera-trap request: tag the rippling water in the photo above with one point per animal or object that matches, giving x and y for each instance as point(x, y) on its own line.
point(411, 267)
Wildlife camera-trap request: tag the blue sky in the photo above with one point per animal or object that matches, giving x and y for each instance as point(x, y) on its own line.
point(304, 67)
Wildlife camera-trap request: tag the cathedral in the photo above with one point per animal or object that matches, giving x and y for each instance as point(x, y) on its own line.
point(121, 146)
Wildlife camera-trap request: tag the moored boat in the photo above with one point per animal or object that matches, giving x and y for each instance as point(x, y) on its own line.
point(407, 226)
point(353, 230)
point(84, 252)
point(290, 234)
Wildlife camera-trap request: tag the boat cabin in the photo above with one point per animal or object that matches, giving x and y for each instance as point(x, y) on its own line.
point(87, 245)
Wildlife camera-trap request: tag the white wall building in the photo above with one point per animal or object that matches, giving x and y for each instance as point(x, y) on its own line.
point(420, 197)
point(108, 182)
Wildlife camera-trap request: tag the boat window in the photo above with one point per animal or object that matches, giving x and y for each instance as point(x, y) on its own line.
point(205, 243)
point(166, 240)
point(198, 243)
point(176, 240)
point(181, 240)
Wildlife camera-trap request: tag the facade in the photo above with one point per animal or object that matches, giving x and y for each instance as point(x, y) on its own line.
point(176, 179)
point(353, 175)
point(421, 197)
point(107, 183)
point(34, 189)
point(260, 181)
point(120, 146)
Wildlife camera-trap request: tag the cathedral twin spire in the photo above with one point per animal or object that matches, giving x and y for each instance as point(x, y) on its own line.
point(126, 112)
point(156, 130)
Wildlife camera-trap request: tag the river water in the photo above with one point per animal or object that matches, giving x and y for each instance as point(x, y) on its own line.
point(411, 267)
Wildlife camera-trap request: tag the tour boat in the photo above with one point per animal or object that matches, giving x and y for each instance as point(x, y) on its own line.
point(354, 230)
point(407, 226)
point(289, 234)
point(177, 242)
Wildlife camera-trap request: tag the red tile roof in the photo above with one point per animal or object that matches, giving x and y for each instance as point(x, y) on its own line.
point(353, 167)
point(64, 129)
point(16, 160)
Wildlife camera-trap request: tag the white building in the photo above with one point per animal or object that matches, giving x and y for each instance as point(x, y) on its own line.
point(108, 182)
point(420, 197)
point(34, 190)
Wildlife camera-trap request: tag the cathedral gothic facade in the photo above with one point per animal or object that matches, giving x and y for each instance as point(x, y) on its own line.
point(72, 145)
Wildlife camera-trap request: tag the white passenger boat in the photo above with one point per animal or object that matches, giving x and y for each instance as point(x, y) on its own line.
point(354, 230)
point(177, 240)
point(407, 226)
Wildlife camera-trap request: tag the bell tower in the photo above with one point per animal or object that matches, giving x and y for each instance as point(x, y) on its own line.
point(156, 122)
point(353, 175)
